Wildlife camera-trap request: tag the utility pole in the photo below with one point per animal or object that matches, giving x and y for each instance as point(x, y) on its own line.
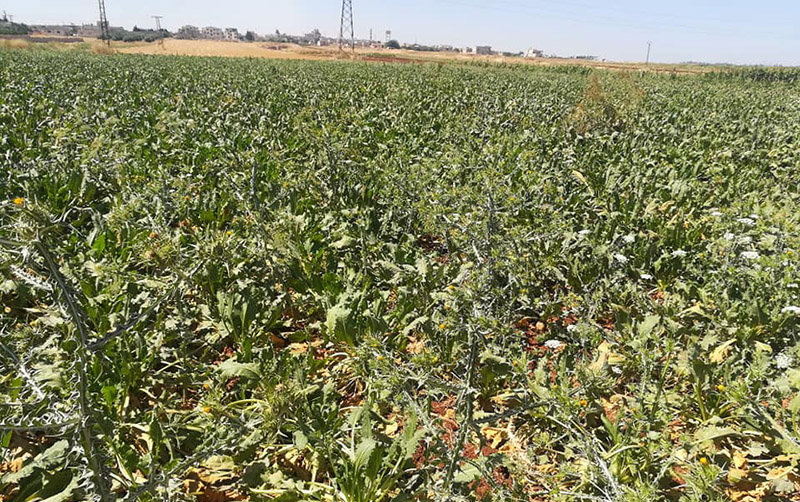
point(346, 31)
point(104, 34)
point(649, 44)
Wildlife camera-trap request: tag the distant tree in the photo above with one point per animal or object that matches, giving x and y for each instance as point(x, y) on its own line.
point(393, 44)
point(250, 36)
point(14, 29)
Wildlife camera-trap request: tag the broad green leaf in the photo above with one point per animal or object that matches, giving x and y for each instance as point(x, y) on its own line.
point(231, 369)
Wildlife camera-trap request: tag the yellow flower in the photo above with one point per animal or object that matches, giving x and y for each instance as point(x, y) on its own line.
point(443, 326)
point(704, 460)
point(584, 403)
point(721, 388)
point(229, 233)
point(7, 310)
point(451, 287)
point(206, 409)
point(206, 386)
point(19, 201)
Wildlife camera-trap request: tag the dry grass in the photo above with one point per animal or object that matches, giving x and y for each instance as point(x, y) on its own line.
point(272, 50)
point(226, 49)
point(15, 43)
point(102, 48)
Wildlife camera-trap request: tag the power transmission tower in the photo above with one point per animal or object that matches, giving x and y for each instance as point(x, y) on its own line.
point(158, 29)
point(347, 26)
point(649, 44)
point(104, 34)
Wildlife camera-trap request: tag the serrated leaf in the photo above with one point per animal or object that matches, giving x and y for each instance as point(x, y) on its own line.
point(361, 456)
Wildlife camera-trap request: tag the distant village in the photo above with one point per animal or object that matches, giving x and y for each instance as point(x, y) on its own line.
point(189, 32)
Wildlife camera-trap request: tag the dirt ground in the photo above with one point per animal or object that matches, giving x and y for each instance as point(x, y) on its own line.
point(271, 50)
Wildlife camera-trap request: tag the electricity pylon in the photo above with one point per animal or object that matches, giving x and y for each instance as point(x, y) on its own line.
point(346, 32)
point(158, 29)
point(104, 34)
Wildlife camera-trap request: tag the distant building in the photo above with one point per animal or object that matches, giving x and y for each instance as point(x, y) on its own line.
point(534, 53)
point(482, 50)
point(90, 30)
point(212, 32)
point(189, 32)
point(232, 34)
point(57, 30)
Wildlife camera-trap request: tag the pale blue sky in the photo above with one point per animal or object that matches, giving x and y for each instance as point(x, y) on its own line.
point(737, 31)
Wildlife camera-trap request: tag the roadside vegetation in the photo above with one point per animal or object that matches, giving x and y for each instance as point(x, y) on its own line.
point(287, 280)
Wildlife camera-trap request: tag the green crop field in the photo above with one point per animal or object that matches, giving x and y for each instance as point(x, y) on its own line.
point(339, 281)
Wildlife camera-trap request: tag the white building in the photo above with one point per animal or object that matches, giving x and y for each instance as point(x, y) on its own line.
point(534, 53)
point(189, 32)
point(232, 34)
point(212, 32)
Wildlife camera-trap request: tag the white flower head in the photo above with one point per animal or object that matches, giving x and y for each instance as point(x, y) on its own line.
point(747, 221)
point(754, 216)
point(716, 213)
point(621, 258)
point(783, 361)
point(629, 239)
point(792, 285)
point(750, 255)
point(584, 232)
point(553, 344)
point(729, 236)
point(646, 277)
point(679, 253)
point(572, 327)
point(616, 370)
point(791, 309)
point(746, 239)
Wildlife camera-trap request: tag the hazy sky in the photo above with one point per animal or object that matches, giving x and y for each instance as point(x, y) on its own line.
point(736, 31)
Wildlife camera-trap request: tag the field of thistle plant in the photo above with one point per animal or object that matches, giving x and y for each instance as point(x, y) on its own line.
point(283, 281)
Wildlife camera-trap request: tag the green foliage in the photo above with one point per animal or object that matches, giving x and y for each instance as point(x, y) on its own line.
point(229, 279)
